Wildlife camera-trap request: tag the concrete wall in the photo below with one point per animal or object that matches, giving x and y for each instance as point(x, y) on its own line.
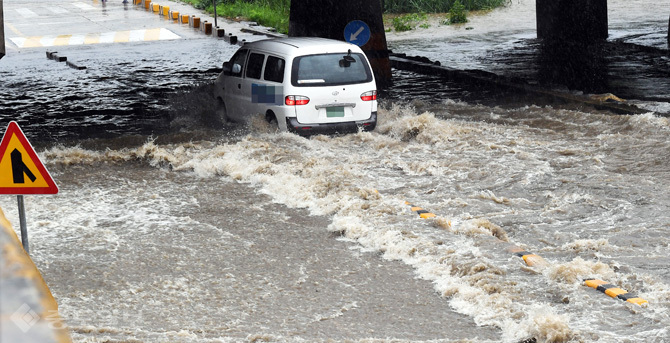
point(575, 21)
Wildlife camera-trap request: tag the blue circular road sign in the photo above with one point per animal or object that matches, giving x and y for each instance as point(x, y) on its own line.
point(357, 32)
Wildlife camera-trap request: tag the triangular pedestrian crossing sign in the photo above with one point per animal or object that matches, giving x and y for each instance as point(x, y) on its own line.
point(21, 171)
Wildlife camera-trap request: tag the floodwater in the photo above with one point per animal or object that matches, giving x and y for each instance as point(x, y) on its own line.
point(172, 226)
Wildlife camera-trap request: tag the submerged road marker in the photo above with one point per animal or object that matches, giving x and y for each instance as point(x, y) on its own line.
point(614, 291)
point(533, 260)
point(421, 212)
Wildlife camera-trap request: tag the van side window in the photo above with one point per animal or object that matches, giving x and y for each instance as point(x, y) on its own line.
point(238, 59)
point(255, 65)
point(274, 69)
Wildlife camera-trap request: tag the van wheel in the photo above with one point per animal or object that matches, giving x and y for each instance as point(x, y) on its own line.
point(272, 119)
point(221, 111)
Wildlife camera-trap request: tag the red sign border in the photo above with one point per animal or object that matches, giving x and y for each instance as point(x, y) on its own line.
point(14, 129)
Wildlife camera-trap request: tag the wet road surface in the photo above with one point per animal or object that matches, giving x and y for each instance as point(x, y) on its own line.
point(174, 226)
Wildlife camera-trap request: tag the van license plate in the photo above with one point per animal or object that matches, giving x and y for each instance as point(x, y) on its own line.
point(334, 112)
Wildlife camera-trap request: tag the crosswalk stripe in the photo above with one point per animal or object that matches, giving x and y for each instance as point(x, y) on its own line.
point(26, 13)
point(59, 10)
point(77, 40)
point(122, 37)
point(92, 38)
point(154, 35)
point(107, 37)
point(83, 6)
point(137, 35)
point(62, 40)
point(95, 38)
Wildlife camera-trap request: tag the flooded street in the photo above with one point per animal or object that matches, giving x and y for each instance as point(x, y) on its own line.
point(173, 226)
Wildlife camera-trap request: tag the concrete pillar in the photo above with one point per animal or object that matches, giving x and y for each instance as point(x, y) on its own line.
point(328, 19)
point(577, 21)
point(2, 32)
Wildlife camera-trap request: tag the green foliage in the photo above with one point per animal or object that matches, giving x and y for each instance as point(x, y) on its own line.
point(275, 13)
point(457, 13)
point(409, 22)
point(438, 6)
point(271, 13)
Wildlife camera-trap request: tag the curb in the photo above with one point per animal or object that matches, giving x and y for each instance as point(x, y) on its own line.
point(196, 23)
point(53, 55)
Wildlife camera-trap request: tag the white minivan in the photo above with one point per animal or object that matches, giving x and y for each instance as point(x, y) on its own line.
point(304, 85)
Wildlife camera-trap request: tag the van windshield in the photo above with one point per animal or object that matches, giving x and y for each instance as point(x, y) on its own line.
point(330, 70)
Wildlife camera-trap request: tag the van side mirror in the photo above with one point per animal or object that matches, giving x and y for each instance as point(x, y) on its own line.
point(226, 68)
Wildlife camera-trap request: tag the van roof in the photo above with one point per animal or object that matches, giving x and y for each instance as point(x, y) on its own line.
point(302, 45)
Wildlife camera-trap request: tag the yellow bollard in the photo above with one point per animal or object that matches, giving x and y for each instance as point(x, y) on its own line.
point(175, 15)
point(194, 22)
point(147, 4)
point(184, 19)
point(166, 9)
point(156, 7)
point(207, 28)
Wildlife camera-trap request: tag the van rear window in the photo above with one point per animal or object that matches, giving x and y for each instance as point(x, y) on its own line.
point(329, 70)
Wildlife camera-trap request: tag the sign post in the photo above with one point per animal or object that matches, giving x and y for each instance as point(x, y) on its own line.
point(214, 5)
point(22, 172)
point(22, 223)
point(2, 33)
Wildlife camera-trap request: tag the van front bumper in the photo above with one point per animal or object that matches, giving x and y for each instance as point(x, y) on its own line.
point(294, 126)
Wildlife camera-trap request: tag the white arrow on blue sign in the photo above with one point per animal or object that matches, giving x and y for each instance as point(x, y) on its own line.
point(357, 32)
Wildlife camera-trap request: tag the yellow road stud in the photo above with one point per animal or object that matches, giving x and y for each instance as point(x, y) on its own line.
point(615, 292)
point(593, 283)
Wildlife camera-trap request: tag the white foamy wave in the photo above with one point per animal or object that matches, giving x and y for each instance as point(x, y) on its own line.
point(651, 120)
point(307, 173)
point(402, 124)
point(654, 106)
point(472, 163)
point(545, 325)
point(459, 271)
point(577, 270)
point(582, 245)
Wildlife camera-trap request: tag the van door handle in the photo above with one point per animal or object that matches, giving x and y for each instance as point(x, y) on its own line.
point(239, 86)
